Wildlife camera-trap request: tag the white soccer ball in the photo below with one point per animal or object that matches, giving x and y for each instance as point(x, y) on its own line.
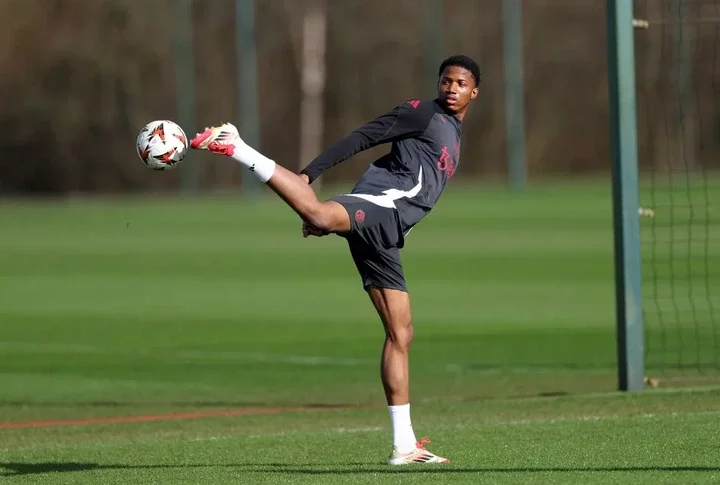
point(162, 144)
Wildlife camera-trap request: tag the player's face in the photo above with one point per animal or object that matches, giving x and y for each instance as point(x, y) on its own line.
point(456, 89)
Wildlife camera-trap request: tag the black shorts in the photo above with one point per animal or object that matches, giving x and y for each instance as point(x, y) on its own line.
point(374, 240)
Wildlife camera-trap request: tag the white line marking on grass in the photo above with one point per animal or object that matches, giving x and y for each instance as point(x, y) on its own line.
point(311, 360)
point(34, 347)
point(592, 418)
point(314, 360)
point(576, 396)
point(307, 360)
point(282, 434)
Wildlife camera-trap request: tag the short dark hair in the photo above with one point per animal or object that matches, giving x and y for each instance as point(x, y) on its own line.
point(462, 61)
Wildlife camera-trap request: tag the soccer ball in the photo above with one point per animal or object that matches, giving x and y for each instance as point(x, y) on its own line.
point(162, 144)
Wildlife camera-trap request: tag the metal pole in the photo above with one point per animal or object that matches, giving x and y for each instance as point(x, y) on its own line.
point(247, 83)
point(623, 133)
point(514, 93)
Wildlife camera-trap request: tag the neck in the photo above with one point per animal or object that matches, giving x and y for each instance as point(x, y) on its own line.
point(457, 114)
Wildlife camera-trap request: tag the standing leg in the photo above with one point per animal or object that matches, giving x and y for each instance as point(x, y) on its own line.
point(393, 306)
point(377, 258)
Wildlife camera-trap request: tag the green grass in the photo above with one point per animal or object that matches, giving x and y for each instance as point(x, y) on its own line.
point(659, 438)
point(126, 307)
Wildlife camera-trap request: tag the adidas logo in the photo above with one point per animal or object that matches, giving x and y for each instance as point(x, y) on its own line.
point(252, 167)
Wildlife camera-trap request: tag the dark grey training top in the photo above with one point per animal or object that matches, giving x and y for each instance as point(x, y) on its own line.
point(425, 153)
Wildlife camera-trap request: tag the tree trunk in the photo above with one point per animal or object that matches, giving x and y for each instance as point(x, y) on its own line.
point(313, 70)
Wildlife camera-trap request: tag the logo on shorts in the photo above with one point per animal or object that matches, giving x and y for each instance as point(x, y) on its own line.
point(359, 216)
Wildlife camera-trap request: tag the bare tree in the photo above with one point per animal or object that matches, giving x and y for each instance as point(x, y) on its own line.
point(311, 63)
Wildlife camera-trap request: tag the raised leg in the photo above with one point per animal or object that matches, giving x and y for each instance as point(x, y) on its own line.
point(325, 217)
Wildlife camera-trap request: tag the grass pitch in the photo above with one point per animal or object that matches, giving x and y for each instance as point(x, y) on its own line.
point(251, 354)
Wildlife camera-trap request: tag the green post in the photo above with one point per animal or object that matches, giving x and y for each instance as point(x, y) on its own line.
point(623, 133)
point(514, 93)
point(434, 42)
point(247, 84)
point(185, 88)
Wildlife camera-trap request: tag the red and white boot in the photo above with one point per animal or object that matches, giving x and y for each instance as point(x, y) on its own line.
point(418, 455)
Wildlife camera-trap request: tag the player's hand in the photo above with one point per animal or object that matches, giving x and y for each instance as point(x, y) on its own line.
point(310, 230)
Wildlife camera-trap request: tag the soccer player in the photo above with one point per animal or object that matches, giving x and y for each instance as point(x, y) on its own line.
point(391, 197)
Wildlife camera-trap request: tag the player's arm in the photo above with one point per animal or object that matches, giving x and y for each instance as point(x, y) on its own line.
point(404, 121)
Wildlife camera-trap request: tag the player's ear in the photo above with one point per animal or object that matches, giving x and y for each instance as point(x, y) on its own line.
point(474, 93)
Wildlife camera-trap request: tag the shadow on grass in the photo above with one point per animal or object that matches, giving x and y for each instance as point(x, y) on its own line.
point(15, 469)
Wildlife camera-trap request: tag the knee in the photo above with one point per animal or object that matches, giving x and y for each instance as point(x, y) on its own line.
point(320, 217)
point(401, 334)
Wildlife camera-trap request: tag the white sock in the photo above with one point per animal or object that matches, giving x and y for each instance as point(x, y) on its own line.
point(403, 435)
point(259, 164)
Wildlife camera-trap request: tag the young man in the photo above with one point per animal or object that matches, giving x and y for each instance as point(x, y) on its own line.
point(393, 195)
